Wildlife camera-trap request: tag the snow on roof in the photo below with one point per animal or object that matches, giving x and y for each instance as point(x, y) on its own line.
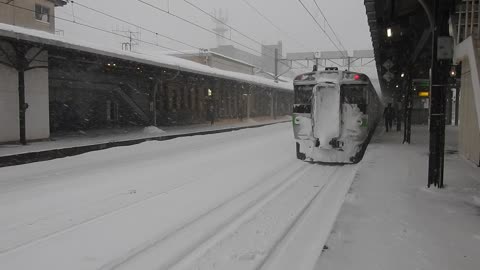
point(159, 60)
point(195, 53)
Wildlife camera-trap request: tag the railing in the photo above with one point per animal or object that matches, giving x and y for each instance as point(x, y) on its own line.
point(466, 20)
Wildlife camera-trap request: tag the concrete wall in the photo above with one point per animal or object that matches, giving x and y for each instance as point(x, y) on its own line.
point(469, 131)
point(24, 15)
point(36, 95)
point(9, 125)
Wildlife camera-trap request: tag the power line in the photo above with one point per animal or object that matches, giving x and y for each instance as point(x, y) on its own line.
point(273, 24)
point(144, 28)
point(113, 33)
point(199, 26)
point(93, 27)
point(231, 27)
point(321, 28)
point(133, 24)
point(329, 26)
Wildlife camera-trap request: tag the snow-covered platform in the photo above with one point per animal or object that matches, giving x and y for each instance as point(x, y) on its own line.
point(69, 144)
point(390, 220)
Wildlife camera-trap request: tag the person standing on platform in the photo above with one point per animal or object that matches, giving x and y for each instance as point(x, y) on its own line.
point(388, 115)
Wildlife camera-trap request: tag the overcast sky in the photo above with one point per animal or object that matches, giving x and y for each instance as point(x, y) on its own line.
point(299, 31)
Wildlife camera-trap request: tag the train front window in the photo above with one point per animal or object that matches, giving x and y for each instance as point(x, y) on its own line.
point(303, 99)
point(355, 94)
point(303, 94)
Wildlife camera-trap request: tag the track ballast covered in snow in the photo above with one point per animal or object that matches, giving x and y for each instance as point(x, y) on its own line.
point(238, 200)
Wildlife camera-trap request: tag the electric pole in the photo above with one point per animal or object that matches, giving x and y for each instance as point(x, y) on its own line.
point(441, 60)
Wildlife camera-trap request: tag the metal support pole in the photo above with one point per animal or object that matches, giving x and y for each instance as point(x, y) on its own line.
point(22, 107)
point(154, 103)
point(457, 105)
point(472, 18)
point(348, 61)
point(438, 85)
point(466, 19)
point(276, 64)
point(407, 111)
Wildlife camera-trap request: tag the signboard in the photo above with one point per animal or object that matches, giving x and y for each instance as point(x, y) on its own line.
point(301, 56)
point(388, 64)
point(388, 76)
point(445, 48)
point(333, 54)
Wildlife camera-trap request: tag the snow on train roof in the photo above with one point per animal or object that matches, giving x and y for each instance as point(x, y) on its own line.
point(336, 76)
point(165, 61)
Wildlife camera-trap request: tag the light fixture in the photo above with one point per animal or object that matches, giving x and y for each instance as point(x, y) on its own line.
point(402, 75)
point(389, 32)
point(397, 86)
point(453, 72)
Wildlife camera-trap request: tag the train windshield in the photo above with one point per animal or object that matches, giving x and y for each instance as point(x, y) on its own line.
point(303, 94)
point(355, 94)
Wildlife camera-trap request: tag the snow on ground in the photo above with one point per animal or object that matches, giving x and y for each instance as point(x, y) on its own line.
point(234, 200)
point(91, 137)
point(390, 220)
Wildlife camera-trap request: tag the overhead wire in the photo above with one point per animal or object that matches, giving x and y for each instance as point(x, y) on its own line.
point(273, 24)
point(115, 33)
point(201, 27)
point(321, 28)
point(135, 25)
point(232, 28)
point(150, 31)
point(328, 24)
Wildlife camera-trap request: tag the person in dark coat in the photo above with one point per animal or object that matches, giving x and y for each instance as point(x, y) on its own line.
point(211, 113)
point(388, 114)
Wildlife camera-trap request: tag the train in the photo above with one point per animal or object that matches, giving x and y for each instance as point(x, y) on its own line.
point(334, 115)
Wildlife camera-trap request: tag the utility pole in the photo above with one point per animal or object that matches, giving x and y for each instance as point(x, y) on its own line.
point(348, 61)
point(276, 64)
point(407, 109)
point(438, 86)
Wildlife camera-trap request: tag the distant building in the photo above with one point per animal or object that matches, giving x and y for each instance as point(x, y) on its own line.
point(34, 14)
point(217, 60)
point(264, 62)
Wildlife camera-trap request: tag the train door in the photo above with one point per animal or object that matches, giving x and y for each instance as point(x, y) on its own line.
point(326, 114)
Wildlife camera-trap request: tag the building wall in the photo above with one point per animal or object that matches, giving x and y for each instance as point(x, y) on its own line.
point(9, 130)
point(23, 14)
point(469, 131)
point(36, 95)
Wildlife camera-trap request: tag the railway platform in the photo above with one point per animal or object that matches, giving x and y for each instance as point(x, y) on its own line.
point(391, 220)
point(75, 143)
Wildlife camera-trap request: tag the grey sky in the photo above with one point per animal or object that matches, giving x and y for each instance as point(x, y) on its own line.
point(347, 17)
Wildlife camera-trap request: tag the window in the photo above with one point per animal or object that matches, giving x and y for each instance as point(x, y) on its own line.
point(355, 94)
point(42, 13)
point(303, 94)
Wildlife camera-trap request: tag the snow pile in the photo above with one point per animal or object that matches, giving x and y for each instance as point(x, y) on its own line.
point(151, 130)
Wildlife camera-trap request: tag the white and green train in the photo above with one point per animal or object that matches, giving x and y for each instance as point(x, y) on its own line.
point(334, 114)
